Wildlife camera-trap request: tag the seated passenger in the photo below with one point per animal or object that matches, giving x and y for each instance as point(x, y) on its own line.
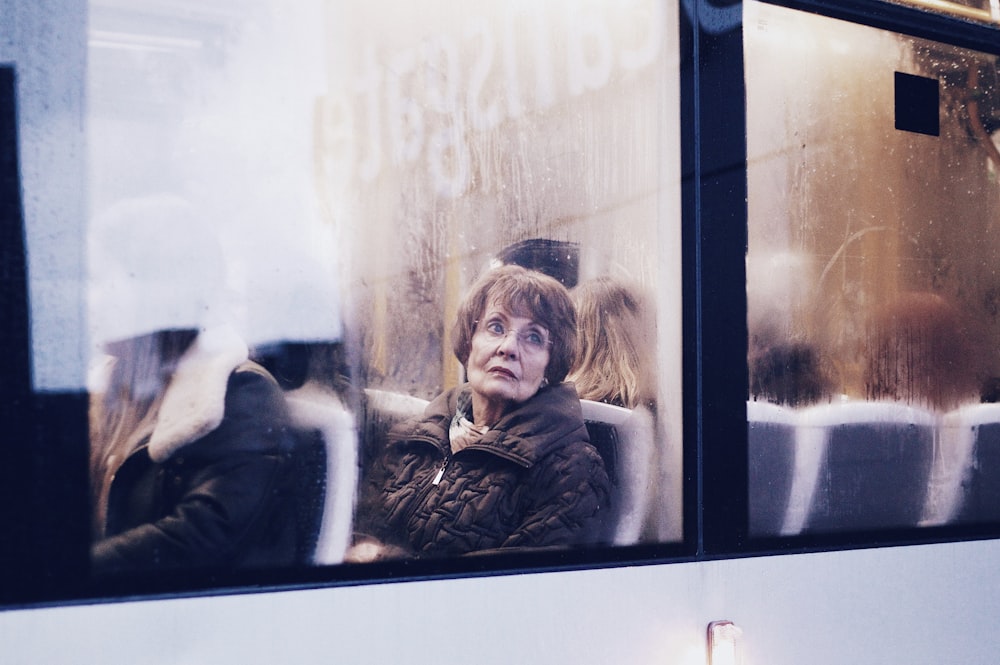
point(559, 259)
point(616, 365)
point(788, 373)
point(612, 337)
point(503, 461)
point(189, 439)
point(922, 351)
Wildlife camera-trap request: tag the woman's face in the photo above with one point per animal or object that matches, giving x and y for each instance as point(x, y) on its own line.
point(506, 363)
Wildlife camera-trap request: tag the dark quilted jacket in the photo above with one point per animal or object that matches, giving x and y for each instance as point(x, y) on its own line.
point(533, 480)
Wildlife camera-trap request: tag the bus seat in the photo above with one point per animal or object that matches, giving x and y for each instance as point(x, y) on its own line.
point(972, 488)
point(771, 433)
point(875, 467)
point(624, 438)
point(383, 409)
point(328, 467)
point(308, 470)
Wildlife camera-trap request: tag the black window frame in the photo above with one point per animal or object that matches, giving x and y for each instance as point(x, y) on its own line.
point(721, 253)
point(44, 513)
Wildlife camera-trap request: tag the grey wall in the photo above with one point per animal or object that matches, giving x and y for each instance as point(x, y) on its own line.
point(917, 605)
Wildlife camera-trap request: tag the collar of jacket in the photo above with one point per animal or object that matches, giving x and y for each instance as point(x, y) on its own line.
point(524, 435)
point(195, 400)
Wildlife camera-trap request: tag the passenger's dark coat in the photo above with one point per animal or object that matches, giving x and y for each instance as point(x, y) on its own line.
point(215, 491)
point(533, 480)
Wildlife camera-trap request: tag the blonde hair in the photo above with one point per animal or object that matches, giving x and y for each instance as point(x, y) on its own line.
point(611, 323)
point(128, 408)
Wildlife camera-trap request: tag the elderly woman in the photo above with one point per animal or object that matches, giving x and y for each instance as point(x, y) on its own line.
point(503, 461)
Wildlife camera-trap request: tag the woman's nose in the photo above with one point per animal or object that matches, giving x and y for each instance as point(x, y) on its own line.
point(508, 345)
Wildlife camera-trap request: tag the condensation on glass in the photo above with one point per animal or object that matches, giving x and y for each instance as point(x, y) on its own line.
point(872, 282)
point(354, 166)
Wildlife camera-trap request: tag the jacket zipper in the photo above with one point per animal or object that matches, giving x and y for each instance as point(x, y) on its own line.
point(426, 490)
point(440, 474)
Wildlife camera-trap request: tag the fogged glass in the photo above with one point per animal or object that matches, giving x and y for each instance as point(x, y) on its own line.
point(872, 289)
point(302, 195)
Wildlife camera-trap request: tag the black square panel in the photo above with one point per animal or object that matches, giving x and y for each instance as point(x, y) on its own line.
point(917, 104)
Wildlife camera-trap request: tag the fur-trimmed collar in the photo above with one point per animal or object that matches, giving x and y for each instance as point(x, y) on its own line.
point(195, 399)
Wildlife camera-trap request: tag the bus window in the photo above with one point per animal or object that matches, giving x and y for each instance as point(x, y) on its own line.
point(456, 140)
point(871, 284)
point(330, 180)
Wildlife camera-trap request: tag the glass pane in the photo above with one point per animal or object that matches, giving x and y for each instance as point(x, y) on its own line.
point(874, 203)
point(321, 185)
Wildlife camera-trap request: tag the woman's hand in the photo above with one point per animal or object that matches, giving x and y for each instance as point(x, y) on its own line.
point(365, 551)
point(370, 550)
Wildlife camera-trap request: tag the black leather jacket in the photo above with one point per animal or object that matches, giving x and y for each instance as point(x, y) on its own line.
point(533, 480)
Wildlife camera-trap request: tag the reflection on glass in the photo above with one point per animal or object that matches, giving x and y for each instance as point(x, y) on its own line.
point(358, 166)
point(873, 218)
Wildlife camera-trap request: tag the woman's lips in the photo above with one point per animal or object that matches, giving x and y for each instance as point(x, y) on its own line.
point(503, 371)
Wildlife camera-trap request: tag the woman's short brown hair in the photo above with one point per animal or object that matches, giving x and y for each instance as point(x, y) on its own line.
point(524, 293)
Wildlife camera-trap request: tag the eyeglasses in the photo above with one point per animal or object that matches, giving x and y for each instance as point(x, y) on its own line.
point(530, 341)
